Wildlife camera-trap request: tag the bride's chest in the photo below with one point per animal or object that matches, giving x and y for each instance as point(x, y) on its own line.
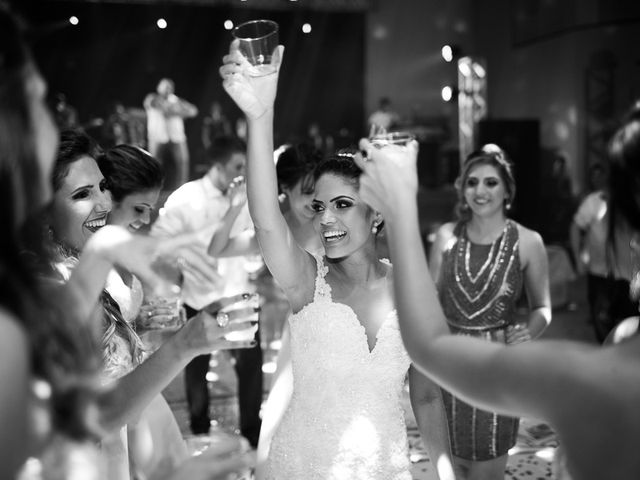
point(329, 336)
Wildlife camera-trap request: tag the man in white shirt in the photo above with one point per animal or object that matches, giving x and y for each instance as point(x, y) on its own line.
point(199, 207)
point(384, 117)
point(167, 140)
point(608, 275)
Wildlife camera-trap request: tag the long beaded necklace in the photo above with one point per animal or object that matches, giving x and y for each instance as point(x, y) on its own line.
point(475, 294)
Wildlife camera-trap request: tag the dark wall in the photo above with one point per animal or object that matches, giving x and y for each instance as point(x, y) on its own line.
point(118, 53)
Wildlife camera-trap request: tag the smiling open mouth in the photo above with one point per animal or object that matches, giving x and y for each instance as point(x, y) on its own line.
point(95, 225)
point(333, 235)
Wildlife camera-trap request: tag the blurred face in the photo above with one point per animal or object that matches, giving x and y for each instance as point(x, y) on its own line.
point(341, 218)
point(230, 170)
point(81, 205)
point(299, 201)
point(134, 211)
point(165, 88)
point(484, 191)
point(45, 133)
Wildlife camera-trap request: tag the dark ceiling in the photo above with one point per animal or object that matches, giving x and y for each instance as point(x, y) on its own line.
point(325, 5)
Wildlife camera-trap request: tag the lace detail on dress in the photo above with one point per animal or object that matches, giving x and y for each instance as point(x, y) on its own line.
point(322, 288)
point(345, 419)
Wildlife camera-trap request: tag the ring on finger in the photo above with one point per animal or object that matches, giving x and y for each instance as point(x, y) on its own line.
point(222, 319)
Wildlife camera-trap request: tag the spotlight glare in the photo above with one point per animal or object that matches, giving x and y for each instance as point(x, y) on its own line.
point(228, 25)
point(162, 23)
point(479, 70)
point(447, 93)
point(447, 53)
point(306, 28)
point(73, 20)
point(464, 69)
point(269, 367)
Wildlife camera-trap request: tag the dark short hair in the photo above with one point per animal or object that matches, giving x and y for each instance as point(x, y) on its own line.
point(129, 169)
point(223, 147)
point(74, 144)
point(296, 164)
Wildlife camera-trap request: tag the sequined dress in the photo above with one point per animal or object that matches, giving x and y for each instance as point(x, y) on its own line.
point(478, 289)
point(345, 419)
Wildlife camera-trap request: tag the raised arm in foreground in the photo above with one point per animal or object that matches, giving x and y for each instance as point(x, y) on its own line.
point(291, 266)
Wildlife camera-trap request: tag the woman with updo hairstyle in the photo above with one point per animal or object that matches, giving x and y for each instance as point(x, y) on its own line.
point(481, 264)
point(489, 154)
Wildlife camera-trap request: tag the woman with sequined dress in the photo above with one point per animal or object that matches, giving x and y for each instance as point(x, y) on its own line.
point(481, 264)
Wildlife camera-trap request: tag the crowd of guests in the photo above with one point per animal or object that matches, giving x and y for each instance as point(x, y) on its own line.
point(82, 267)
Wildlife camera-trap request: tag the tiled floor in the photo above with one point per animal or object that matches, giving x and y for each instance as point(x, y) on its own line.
point(530, 459)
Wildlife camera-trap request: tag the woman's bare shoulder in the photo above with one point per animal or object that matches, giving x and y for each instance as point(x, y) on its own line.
point(531, 242)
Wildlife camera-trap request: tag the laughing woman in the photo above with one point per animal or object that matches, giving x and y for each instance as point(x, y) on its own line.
point(79, 213)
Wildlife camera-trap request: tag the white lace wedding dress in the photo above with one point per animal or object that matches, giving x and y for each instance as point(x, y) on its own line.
point(345, 419)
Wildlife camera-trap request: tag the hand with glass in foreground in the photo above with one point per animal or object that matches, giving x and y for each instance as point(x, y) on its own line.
point(569, 384)
point(257, 41)
point(228, 323)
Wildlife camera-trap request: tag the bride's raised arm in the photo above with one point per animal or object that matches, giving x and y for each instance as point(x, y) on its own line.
point(291, 266)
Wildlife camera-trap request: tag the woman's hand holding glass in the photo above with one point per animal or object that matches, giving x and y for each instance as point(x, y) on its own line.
point(212, 328)
point(518, 333)
point(255, 95)
point(389, 181)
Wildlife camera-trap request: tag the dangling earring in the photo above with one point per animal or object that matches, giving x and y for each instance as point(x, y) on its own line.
point(507, 204)
point(374, 229)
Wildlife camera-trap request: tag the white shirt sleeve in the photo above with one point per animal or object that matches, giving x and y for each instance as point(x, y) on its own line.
point(588, 210)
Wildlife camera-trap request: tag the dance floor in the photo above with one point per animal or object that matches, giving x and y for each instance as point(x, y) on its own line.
point(530, 459)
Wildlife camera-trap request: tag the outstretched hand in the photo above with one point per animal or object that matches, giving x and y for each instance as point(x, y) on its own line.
point(255, 95)
point(389, 180)
point(237, 192)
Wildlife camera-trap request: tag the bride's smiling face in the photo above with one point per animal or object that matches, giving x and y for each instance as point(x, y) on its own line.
point(81, 204)
point(341, 218)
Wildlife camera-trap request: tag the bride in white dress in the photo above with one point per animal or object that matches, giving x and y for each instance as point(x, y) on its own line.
point(344, 419)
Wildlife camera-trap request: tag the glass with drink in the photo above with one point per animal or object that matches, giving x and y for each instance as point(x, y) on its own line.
point(258, 39)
